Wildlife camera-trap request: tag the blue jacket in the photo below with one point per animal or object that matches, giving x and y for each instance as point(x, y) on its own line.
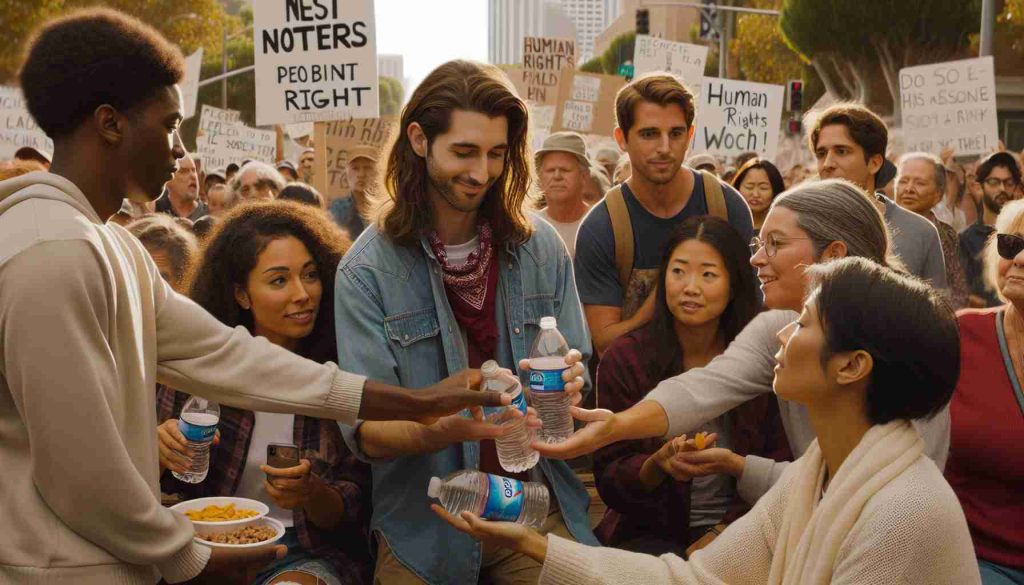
point(394, 324)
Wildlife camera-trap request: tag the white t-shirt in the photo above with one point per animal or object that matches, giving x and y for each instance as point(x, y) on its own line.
point(459, 255)
point(566, 230)
point(269, 427)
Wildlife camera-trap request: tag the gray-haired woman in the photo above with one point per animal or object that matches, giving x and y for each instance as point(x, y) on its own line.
point(809, 224)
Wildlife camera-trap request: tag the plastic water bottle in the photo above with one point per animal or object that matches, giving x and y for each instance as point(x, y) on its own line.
point(514, 451)
point(198, 422)
point(492, 497)
point(547, 389)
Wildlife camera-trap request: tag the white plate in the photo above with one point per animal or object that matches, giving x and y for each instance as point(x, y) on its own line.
point(276, 524)
point(225, 525)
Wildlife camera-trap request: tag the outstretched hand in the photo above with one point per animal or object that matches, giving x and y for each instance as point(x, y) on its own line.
point(597, 434)
point(507, 535)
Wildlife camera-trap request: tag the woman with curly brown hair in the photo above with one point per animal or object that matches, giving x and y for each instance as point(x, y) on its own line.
point(269, 267)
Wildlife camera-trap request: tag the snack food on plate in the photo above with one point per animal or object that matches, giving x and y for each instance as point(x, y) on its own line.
point(213, 513)
point(244, 535)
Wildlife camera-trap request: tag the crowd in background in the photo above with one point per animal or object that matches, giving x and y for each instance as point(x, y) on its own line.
point(651, 262)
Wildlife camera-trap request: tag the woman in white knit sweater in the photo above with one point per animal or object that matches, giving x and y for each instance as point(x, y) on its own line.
point(863, 504)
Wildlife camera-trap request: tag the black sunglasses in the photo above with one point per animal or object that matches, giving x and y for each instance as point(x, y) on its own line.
point(1009, 245)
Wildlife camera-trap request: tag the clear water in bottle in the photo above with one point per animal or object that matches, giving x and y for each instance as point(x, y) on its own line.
point(492, 497)
point(547, 389)
point(198, 422)
point(514, 451)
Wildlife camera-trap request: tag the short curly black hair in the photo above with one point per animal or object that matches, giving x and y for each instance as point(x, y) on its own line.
point(89, 58)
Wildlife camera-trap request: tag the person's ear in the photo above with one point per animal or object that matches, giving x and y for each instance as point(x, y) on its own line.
point(109, 123)
point(620, 138)
point(242, 298)
point(875, 163)
point(835, 251)
point(853, 366)
point(418, 139)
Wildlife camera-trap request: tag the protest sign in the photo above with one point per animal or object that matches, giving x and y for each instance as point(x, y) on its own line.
point(950, 104)
point(544, 59)
point(190, 84)
point(17, 127)
point(587, 103)
point(212, 120)
point(315, 60)
point(332, 143)
point(299, 130)
point(683, 60)
point(235, 142)
point(734, 117)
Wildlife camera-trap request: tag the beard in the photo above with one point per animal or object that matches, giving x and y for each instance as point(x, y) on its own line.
point(445, 187)
point(995, 204)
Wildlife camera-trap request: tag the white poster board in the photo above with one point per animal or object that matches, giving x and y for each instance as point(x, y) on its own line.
point(315, 61)
point(235, 142)
point(950, 104)
point(734, 117)
point(190, 84)
point(683, 60)
point(17, 127)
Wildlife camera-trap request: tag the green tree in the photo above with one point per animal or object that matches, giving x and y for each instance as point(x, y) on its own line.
point(21, 17)
point(850, 44)
point(392, 96)
point(760, 49)
point(618, 52)
point(594, 65)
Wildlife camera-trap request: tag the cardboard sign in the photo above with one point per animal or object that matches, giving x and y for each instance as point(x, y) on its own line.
point(333, 141)
point(950, 104)
point(190, 84)
point(734, 117)
point(213, 120)
point(544, 60)
point(683, 60)
point(315, 60)
point(17, 127)
point(235, 142)
point(587, 103)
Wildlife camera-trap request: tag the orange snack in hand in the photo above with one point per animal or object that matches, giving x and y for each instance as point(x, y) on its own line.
point(700, 439)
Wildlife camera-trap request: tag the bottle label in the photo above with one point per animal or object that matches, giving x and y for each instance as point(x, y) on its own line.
point(519, 402)
point(547, 380)
point(504, 498)
point(197, 433)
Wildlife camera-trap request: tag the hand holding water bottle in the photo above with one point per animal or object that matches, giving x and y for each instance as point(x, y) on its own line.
point(174, 452)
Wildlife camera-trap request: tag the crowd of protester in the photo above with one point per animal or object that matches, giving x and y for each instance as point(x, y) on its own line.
point(853, 361)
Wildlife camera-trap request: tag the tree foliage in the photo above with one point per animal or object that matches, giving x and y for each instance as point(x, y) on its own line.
point(761, 50)
point(850, 43)
point(618, 52)
point(21, 17)
point(392, 96)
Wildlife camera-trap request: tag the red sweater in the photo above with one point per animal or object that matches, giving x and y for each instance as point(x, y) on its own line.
point(986, 450)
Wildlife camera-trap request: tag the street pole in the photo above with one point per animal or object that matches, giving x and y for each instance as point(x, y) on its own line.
point(723, 45)
point(988, 20)
point(224, 67)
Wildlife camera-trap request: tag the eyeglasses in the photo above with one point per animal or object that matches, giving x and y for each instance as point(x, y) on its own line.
point(1009, 184)
point(770, 244)
point(1009, 245)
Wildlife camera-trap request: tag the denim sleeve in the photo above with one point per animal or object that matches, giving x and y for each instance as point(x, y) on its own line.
point(362, 343)
point(571, 321)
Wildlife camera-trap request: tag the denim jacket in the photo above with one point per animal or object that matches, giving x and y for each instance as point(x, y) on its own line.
point(394, 324)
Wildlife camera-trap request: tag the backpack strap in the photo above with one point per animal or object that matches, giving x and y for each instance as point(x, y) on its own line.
point(622, 231)
point(714, 196)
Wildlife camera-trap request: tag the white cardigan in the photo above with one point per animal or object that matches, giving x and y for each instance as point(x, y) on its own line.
point(880, 526)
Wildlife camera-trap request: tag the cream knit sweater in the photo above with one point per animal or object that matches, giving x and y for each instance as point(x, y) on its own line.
point(888, 517)
point(87, 329)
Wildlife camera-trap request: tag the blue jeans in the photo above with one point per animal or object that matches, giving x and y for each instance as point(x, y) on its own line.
point(298, 559)
point(993, 574)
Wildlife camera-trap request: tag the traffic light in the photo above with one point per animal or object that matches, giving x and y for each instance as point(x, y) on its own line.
point(795, 126)
point(796, 95)
point(643, 21)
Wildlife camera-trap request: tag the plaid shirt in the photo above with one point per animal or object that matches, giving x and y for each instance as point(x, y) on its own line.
point(623, 380)
point(320, 441)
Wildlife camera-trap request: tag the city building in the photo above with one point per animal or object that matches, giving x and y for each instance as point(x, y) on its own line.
point(672, 23)
point(508, 21)
point(591, 18)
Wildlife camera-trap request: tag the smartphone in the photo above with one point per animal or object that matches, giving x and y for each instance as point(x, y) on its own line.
point(281, 455)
